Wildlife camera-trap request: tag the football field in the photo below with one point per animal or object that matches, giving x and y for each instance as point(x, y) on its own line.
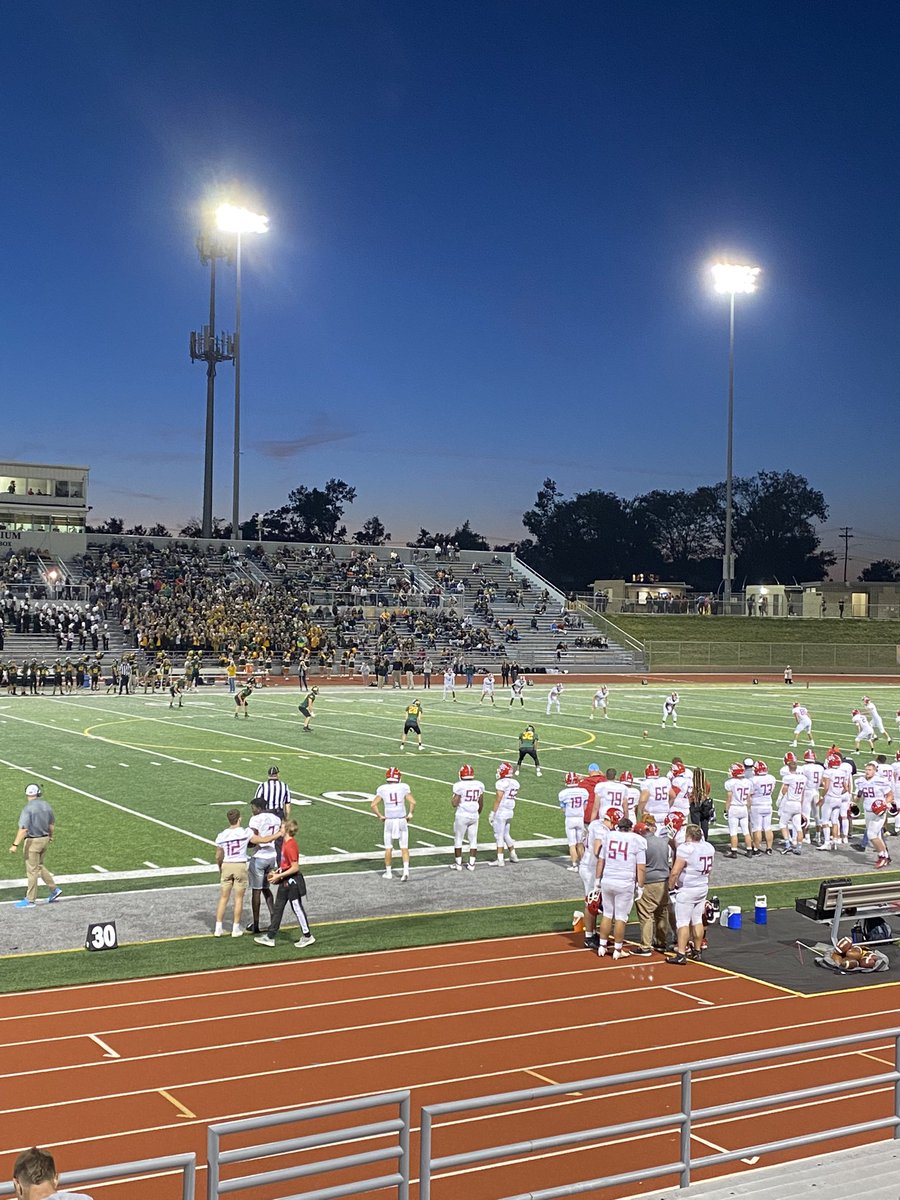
point(140, 791)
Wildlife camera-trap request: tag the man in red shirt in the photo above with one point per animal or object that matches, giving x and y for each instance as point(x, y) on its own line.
point(291, 890)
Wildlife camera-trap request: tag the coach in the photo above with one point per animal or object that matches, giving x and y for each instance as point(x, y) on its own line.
point(653, 905)
point(36, 826)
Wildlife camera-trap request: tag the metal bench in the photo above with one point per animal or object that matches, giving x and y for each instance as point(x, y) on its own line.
point(842, 900)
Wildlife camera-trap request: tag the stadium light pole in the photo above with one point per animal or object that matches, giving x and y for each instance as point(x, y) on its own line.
point(731, 279)
point(231, 219)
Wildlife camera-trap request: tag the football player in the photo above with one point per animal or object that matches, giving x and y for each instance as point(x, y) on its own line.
point(411, 724)
point(670, 709)
point(528, 744)
point(793, 785)
point(553, 698)
point(600, 700)
point(394, 804)
point(467, 799)
point(573, 800)
point(875, 796)
point(875, 719)
point(487, 689)
point(738, 789)
point(835, 803)
point(690, 876)
point(517, 691)
point(864, 731)
point(503, 812)
point(306, 707)
point(620, 878)
point(761, 808)
point(655, 794)
point(802, 723)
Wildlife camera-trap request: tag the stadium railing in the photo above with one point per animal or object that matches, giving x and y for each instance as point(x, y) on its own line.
point(185, 1163)
point(398, 1150)
point(838, 657)
point(682, 1121)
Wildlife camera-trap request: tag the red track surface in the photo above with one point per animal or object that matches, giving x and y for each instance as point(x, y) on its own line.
point(447, 1022)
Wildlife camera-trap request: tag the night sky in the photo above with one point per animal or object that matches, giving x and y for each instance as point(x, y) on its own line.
point(491, 226)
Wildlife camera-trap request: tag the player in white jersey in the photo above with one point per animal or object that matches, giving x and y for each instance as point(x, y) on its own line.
point(394, 804)
point(812, 772)
point(764, 784)
point(595, 835)
point(467, 801)
point(600, 701)
point(690, 876)
point(655, 794)
point(802, 723)
point(875, 795)
point(517, 691)
point(612, 793)
point(793, 785)
point(487, 689)
point(875, 719)
point(670, 709)
point(449, 684)
point(553, 698)
point(573, 801)
point(620, 877)
point(231, 859)
point(738, 789)
point(632, 794)
point(864, 731)
point(680, 786)
point(895, 788)
point(503, 811)
point(835, 803)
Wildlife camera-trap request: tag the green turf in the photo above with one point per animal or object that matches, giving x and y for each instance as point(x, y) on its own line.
point(134, 783)
point(665, 627)
point(205, 953)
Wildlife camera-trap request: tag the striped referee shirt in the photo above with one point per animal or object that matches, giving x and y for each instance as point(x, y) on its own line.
point(275, 796)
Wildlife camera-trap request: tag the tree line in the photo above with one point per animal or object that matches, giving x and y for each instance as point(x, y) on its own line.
point(574, 540)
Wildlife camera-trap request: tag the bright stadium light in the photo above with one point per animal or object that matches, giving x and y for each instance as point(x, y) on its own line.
point(232, 219)
point(731, 279)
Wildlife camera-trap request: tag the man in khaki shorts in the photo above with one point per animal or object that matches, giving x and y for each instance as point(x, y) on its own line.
point(36, 825)
point(231, 859)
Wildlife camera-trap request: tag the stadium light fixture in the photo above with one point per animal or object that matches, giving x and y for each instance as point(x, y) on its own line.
point(230, 218)
point(731, 279)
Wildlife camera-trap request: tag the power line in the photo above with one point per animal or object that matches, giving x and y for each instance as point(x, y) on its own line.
point(846, 532)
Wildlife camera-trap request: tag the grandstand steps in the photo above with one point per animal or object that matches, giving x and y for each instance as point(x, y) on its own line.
point(867, 1173)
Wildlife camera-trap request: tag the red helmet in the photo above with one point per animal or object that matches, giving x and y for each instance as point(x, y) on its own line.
point(796, 704)
point(627, 777)
point(613, 815)
point(641, 828)
point(879, 808)
point(760, 768)
point(505, 769)
point(392, 775)
point(790, 759)
point(675, 820)
point(466, 772)
point(572, 778)
point(678, 767)
point(736, 770)
point(855, 712)
point(897, 756)
point(809, 756)
point(652, 771)
point(833, 759)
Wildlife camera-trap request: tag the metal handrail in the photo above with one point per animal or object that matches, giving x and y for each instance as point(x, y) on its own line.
point(186, 1163)
point(683, 1119)
point(399, 1149)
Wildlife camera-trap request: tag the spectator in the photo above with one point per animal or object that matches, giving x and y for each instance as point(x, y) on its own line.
point(231, 859)
point(35, 1177)
point(291, 890)
point(653, 906)
point(36, 826)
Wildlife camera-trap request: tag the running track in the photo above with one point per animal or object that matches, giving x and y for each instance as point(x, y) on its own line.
point(122, 1071)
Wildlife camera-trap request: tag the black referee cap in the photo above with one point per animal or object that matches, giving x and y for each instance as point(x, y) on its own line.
point(273, 771)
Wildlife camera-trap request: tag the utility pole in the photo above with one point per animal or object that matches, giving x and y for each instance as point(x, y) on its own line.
point(211, 349)
point(846, 533)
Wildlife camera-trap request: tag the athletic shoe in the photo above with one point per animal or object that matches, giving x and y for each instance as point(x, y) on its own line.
point(496, 862)
point(54, 895)
point(677, 960)
point(513, 857)
point(219, 933)
point(264, 940)
point(538, 772)
point(824, 846)
point(388, 874)
point(306, 940)
point(749, 853)
point(404, 878)
point(251, 928)
point(470, 866)
point(660, 948)
point(796, 850)
point(696, 955)
point(787, 849)
point(455, 866)
point(731, 854)
point(623, 953)
point(768, 851)
point(24, 904)
point(421, 747)
point(572, 867)
point(592, 942)
point(601, 951)
point(237, 932)
point(402, 747)
point(516, 772)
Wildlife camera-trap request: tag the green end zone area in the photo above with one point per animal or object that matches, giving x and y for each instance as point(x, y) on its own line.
point(357, 936)
point(140, 791)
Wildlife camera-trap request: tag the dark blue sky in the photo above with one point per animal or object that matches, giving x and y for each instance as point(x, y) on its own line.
point(490, 227)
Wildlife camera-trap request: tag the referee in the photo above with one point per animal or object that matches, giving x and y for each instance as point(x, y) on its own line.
point(274, 796)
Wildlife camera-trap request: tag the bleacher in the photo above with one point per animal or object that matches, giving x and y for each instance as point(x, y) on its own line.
point(360, 602)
